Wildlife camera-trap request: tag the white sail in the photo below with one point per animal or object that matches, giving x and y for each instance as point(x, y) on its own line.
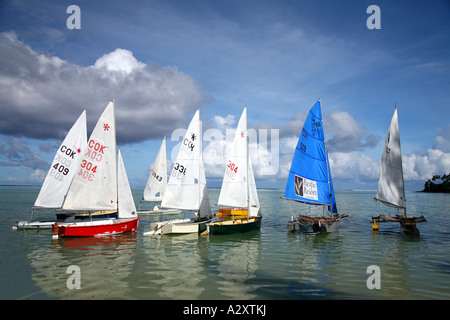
point(205, 207)
point(64, 166)
point(94, 186)
point(238, 184)
point(255, 208)
point(157, 181)
point(126, 206)
point(234, 191)
point(391, 190)
point(185, 189)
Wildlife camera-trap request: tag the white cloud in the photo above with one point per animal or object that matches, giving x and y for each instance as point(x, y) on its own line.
point(18, 153)
point(424, 167)
point(353, 166)
point(263, 148)
point(346, 133)
point(38, 175)
point(120, 60)
point(223, 123)
point(443, 139)
point(50, 93)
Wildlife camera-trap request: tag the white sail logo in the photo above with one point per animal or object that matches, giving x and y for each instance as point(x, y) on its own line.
point(305, 188)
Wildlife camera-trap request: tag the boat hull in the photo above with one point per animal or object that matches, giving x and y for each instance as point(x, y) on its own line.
point(315, 224)
point(312, 227)
point(65, 218)
point(159, 212)
point(410, 228)
point(177, 226)
point(234, 226)
point(33, 225)
point(408, 225)
point(97, 228)
point(87, 215)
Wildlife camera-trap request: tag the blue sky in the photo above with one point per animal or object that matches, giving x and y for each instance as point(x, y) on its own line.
point(161, 60)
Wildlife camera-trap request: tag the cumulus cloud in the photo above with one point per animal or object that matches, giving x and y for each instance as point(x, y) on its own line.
point(294, 125)
point(15, 153)
point(120, 60)
point(353, 166)
point(343, 132)
point(443, 139)
point(346, 167)
point(345, 137)
point(424, 167)
point(263, 148)
point(41, 96)
point(346, 133)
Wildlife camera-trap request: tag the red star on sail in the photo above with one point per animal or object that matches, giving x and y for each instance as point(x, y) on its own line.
point(106, 127)
point(242, 134)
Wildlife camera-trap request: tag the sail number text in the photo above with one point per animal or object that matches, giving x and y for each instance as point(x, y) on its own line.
point(62, 162)
point(232, 169)
point(85, 168)
point(179, 171)
point(156, 176)
point(95, 154)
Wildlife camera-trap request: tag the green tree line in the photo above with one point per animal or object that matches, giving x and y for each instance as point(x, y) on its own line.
point(438, 184)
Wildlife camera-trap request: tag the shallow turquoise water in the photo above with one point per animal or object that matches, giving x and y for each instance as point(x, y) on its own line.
point(267, 264)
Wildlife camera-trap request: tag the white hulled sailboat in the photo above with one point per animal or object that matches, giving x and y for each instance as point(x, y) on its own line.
point(187, 188)
point(156, 184)
point(60, 175)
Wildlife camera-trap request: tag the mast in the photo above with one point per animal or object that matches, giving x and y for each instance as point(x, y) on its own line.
point(327, 162)
point(115, 157)
point(401, 165)
point(199, 163)
point(248, 187)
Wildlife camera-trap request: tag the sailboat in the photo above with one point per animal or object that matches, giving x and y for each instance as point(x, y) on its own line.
point(310, 181)
point(391, 188)
point(186, 189)
point(156, 184)
point(59, 176)
point(238, 191)
point(101, 184)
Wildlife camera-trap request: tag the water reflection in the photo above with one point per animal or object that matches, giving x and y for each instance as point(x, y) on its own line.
point(173, 268)
point(267, 264)
point(233, 261)
point(105, 264)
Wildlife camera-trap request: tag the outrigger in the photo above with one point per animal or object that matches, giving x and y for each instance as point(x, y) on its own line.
point(391, 187)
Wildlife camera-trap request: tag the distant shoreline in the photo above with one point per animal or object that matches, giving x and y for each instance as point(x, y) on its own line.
point(218, 188)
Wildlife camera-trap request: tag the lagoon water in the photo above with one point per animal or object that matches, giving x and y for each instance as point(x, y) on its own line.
point(267, 264)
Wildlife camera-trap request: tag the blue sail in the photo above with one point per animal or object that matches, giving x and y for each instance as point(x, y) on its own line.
point(309, 178)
